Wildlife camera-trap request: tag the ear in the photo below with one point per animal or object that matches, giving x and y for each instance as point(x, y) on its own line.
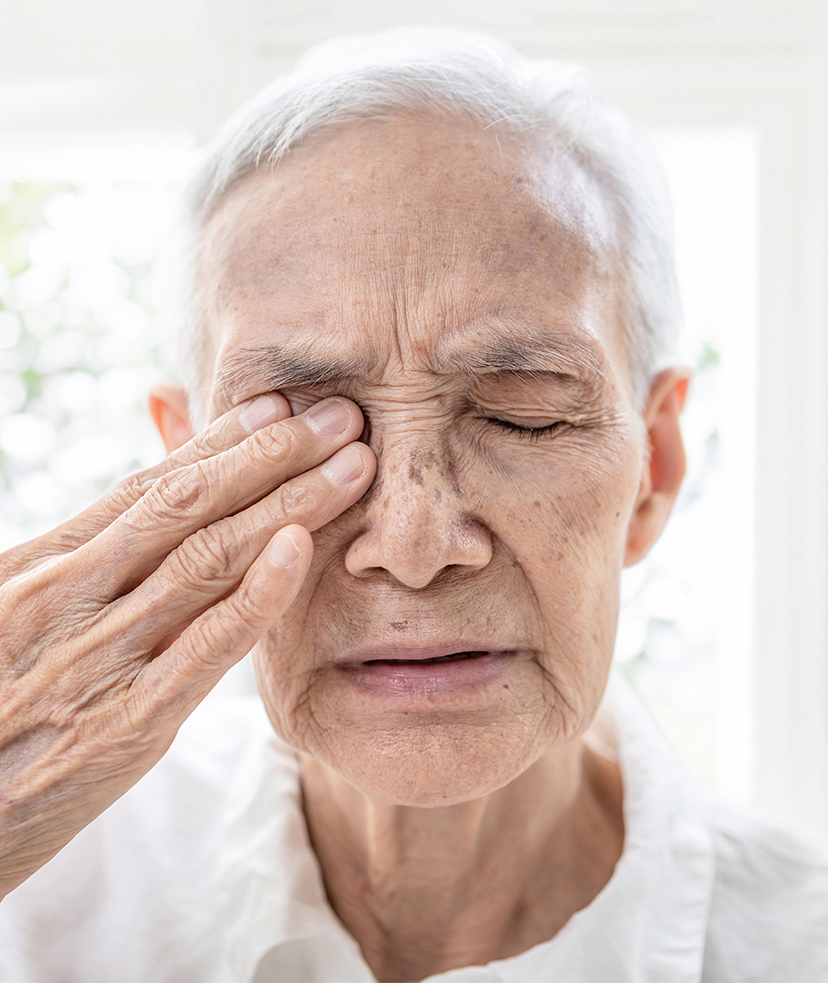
point(169, 409)
point(664, 469)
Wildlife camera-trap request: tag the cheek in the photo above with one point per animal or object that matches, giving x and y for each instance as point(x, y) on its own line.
point(568, 499)
point(563, 515)
point(561, 512)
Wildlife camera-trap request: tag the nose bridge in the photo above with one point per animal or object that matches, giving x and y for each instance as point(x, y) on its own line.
point(417, 519)
point(416, 494)
point(415, 462)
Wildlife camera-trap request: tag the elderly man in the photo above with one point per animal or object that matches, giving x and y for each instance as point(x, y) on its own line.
point(428, 425)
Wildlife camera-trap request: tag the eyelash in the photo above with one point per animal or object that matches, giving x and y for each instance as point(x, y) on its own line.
point(532, 434)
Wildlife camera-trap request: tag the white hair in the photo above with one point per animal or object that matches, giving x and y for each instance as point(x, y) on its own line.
point(463, 77)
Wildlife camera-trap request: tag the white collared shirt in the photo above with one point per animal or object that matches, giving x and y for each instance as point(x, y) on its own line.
point(204, 872)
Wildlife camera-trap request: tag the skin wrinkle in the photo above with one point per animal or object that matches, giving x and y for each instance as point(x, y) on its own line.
point(575, 234)
point(443, 296)
point(593, 225)
point(18, 754)
point(263, 368)
point(27, 588)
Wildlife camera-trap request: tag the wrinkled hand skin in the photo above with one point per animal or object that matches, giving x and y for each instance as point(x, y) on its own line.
point(117, 624)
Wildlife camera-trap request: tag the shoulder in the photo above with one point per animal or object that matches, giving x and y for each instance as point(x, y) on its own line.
point(769, 905)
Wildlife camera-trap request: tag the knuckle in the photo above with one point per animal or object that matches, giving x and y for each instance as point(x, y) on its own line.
point(250, 606)
point(273, 442)
point(209, 555)
point(208, 442)
point(212, 637)
point(177, 492)
point(134, 484)
point(128, 491)
point(207, 648)
point(293, 499)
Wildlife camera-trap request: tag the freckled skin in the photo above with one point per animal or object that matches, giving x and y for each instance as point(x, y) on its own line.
point(468, 526)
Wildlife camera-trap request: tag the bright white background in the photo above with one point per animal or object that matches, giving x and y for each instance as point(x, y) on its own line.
point(733, 607)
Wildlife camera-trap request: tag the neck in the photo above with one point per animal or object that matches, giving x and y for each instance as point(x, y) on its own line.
point(429, 890)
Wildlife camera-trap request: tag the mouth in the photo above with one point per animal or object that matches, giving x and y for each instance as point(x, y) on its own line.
point(451, 657)
point(429, 654)
point(430, 673)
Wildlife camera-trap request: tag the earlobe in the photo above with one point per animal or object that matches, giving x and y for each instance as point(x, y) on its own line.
point(169, 408)
point(665, 466)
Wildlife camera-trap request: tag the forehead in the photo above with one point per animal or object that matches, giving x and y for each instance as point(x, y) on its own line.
point(414, 241)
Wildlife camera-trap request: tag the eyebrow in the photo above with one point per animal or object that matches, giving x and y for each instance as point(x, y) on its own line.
point(548, 354)
point(282, 367)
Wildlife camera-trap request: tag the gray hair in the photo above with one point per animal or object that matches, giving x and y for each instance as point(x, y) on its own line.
point(463, 77)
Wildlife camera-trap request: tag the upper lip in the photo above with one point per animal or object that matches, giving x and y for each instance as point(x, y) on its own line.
point(417, 653)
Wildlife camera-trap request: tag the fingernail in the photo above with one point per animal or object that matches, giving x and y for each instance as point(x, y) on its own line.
point(345, 466)
point(262, 411)
point(283, 551)
point(329, 418)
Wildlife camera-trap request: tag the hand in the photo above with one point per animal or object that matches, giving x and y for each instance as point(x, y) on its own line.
point(116, 625)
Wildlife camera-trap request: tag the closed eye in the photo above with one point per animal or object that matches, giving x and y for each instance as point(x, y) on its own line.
point(532, 434)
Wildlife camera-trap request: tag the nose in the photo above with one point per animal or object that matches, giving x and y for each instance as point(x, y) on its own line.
point(417, 521)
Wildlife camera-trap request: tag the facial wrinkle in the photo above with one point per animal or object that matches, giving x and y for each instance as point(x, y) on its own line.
point(468, 264)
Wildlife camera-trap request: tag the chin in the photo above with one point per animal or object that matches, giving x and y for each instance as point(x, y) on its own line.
point(431, 767)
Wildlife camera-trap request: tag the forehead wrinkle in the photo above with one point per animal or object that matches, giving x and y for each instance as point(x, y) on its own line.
point(272, 367)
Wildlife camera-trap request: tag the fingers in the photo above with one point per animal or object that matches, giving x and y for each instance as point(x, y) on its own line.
point(211, 562)
point(229, 430)
point(209, 559)
point(181, 677)
point(75, 733)
point(193, 497)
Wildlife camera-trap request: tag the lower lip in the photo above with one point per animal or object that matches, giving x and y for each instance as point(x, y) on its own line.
point(428, 681)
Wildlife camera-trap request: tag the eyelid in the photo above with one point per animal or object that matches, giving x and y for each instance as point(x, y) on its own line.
point(533, 434)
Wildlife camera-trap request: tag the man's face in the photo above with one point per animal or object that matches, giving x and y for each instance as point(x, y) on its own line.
point(457, 286)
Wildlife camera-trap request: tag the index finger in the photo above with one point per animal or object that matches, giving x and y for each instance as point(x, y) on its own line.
point(234, 426)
